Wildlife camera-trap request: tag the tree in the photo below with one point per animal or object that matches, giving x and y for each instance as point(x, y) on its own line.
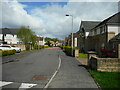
point(48, 43)
point(27, 36)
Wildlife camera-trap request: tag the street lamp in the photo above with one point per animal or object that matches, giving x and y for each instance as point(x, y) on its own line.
point(71, 31)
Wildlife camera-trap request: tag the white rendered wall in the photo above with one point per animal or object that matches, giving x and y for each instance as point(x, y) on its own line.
point(87, 33)
point(75, 43)
point(115, 29)
point(10, 39)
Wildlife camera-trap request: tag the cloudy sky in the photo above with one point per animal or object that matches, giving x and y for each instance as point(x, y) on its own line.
point(48, 18)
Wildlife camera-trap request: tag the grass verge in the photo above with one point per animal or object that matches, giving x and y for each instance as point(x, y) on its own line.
point(106, 79)
point(82, 55)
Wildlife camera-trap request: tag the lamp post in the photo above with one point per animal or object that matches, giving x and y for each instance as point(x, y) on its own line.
point(71, 31)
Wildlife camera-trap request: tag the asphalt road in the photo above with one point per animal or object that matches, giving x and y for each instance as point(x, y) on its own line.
point(36, 69)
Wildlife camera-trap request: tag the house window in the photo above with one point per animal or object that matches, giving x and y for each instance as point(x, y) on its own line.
point(102, 29)
point(98, 31)
point(95, 32)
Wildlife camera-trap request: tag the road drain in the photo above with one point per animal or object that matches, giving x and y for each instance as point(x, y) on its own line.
point(39, 77)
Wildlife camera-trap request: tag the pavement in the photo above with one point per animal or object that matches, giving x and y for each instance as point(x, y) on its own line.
point(34, 70)
point(83, 61)
point(72, 74)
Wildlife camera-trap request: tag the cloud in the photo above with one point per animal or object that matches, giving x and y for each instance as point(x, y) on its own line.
point(51, 20)
point(14, 15)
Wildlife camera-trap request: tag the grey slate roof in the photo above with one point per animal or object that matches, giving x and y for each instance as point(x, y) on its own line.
point(116, 38)
point(12, 31)
point(114, 19)
point(88, 25)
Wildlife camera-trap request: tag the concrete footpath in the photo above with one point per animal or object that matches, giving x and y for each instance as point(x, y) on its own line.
point(72, 74)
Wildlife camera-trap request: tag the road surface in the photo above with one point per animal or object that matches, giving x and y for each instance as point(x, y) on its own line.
point(38, 70)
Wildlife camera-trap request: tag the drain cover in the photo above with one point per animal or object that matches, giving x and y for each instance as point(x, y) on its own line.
point(39, 77)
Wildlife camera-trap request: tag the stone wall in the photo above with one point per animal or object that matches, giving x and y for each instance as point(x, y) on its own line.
point(105, 64)
point(22, 46)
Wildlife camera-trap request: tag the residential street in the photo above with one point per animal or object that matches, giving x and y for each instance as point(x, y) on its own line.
point(36, 69)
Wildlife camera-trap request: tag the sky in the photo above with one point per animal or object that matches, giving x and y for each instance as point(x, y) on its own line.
point(48, 18)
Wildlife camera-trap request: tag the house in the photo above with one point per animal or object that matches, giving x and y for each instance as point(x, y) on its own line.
point(101, 34)
point(114, 43)
point(68, 40)
point(52, 43)
point(9, 36)
point(83, 33)
point(59, 43)
point(40, 40)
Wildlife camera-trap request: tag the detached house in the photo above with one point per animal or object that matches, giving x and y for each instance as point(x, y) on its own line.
point(68, 40)
point(115, 43)
point(9, 35)
point(101, 34)
point(83, 33)
point(40, 40)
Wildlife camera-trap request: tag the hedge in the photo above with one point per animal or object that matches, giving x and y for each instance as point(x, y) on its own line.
point(40, 46)
point(8, 52)
point(68, 49)
point(46, 46)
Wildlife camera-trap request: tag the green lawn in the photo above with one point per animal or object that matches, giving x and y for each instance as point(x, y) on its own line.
point(82, 55)
point(106, 79)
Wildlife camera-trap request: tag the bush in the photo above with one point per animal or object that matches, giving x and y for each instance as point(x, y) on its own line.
point(46, 46)
point(39, 46)
point(8, 52)
point(68, 49)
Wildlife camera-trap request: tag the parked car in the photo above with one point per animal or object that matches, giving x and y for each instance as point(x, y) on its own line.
point(9, 47)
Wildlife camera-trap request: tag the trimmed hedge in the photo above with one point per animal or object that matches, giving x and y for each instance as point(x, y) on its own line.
point(68, 49)
point(40, 46)
point(8, 52)
point(46, 46)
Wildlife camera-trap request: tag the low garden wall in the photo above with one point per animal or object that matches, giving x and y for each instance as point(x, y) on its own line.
point(22, 46)
point(104, 64)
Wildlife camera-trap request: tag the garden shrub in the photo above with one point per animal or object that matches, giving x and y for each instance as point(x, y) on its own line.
point(68, 49)
point(8, 52)
point(39, 46)
point(46, 46)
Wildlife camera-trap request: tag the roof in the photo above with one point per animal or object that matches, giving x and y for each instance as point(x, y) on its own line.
point(40, 38)
point(114, 19)
point(12, 31)
point(52, 42)
point(116, 38)
point(88, 25)
point(75, 34)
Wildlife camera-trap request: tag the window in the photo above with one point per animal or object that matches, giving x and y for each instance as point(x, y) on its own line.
point(102, 29)
point(95, 32)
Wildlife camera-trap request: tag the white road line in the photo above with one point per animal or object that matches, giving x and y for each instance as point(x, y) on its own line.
point(3, 83)
point(46, 86)
point(26, 85)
